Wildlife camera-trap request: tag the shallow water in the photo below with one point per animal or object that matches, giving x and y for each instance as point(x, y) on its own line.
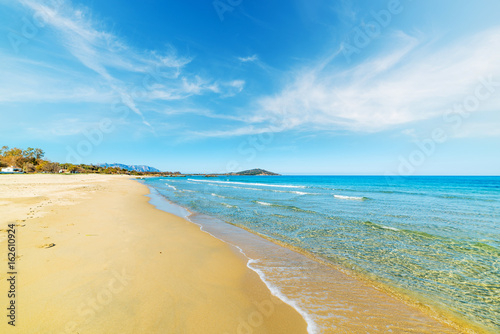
point(436, 238)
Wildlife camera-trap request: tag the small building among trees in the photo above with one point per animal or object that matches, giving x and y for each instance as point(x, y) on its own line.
point(11, 169)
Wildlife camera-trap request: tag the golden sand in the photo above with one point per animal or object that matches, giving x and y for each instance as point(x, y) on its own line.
point(93, 256)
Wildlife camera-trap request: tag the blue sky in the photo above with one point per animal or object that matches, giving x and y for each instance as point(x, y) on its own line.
point(297, 87)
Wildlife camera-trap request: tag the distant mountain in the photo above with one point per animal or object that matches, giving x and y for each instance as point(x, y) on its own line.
point(256, 171)
point(137, 168)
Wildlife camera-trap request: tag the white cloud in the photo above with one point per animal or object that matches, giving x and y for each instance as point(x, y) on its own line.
point(411, 82)
point(193, 86)
point(199, 112)
point(248, 59)
point(232, 88)
point(96, 48)
point(112, 69)
point(238, 84)
point(243, 131)
point(24, 80)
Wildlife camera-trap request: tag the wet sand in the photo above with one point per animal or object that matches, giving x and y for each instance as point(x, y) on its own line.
point(336, 300)
point(93, 256)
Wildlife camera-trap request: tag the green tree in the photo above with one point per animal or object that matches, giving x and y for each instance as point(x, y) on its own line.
point(29, 153)
point(3, 150)
point(13, 152)
point(73, 169)
point(41, 166)
point(39, 153)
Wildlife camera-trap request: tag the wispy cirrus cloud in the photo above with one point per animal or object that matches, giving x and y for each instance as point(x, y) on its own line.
point(241, 131)
point(98, 49)
point(92, 64)
point(412, 81)
point(248, 59)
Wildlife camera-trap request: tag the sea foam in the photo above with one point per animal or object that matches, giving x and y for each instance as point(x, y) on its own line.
point(350, 197)
point(250, 184)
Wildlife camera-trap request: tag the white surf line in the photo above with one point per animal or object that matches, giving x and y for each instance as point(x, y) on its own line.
point(275, 291)
point(258, 189)
point(250, 184)
point(390, 228)
point(349, 197)
point(312, 328)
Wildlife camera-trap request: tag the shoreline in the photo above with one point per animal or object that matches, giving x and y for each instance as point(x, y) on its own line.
point(184, 213)
point(114, 264)
point(47, 207)
point(408, 298)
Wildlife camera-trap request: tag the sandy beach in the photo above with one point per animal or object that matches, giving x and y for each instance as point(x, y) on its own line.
point(93, 256)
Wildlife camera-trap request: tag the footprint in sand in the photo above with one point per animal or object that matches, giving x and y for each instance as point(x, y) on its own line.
point(47, 245)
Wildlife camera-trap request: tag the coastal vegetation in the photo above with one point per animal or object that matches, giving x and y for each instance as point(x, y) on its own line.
point(31, 160)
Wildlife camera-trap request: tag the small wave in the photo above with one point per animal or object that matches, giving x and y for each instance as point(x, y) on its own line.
point(220, 196)
point(286, 207)
point(383, 227)
point(244, 188)
point(288, 192)
point(390, 228)
point(271, 190)
point(168, 185)
point(300, 193)
point(353, 198)
point(228, 205)
point(233, 187)
point(469, 198)
point(311, 325)
point(250, 184)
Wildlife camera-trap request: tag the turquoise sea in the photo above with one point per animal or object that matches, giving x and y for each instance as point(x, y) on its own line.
point(435, 237)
